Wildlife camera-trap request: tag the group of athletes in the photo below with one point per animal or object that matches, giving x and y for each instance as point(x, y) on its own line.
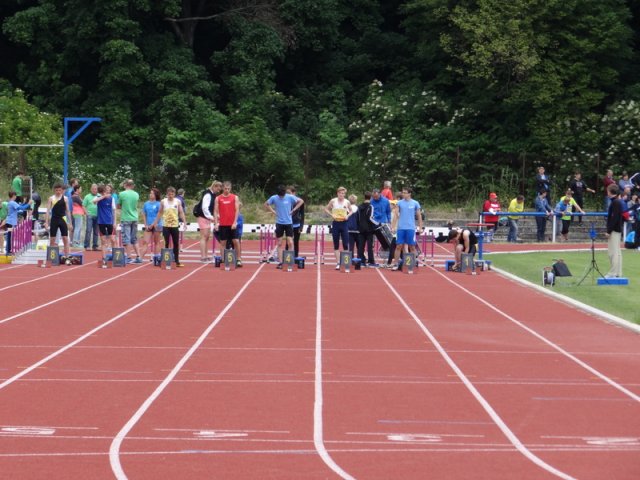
point(394, 220)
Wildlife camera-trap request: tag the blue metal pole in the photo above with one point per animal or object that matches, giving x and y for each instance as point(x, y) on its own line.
point(68, 141)
point(65, 171)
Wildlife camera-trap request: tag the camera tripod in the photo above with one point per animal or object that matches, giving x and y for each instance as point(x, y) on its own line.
point(593, 267)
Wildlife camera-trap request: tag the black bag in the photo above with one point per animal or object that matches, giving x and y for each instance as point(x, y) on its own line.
point(197, 208)
point(385, 237)
point(560, 269)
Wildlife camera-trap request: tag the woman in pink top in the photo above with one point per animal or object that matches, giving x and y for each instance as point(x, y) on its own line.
point(78, 212)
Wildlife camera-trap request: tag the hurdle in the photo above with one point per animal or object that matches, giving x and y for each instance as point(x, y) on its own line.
point(21, 236)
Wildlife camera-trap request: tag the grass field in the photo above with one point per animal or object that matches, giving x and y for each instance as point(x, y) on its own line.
point(622, 301)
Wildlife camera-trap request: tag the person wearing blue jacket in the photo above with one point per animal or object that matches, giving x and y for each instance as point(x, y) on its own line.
point(13, 208)
point(382, 215)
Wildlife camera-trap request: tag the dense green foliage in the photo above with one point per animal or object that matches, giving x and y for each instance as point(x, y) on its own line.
point(451, 96)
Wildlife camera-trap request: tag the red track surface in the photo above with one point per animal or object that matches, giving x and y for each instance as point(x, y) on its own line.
point(245, 401)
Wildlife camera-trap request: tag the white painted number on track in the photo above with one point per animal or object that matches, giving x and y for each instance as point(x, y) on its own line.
point(415, 437)
point(613, 441)
point(214, 434)
point(39, 431)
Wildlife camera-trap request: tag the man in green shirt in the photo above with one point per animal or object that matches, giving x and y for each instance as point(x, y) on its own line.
point(16, 186)
point(128, 206)
point(91, 231)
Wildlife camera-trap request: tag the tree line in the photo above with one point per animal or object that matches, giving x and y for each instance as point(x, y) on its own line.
point(455, 97)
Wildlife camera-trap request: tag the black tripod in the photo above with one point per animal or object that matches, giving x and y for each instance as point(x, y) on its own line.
point(594, 265)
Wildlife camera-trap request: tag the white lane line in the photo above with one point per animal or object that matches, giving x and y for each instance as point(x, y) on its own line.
point(60, 351)
point(474, 391)
point(46, 276)
point(11, 268)
point(114, 449)
point(77, 292)
point(545, 340)
point(318, 428)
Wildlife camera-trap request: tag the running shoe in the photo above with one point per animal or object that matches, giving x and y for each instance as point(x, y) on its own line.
point(179, 265)
point(395, 268)
point(338, 266)
point(279, 267)
point(239, 263)
point(137, 260)
point(67, 261)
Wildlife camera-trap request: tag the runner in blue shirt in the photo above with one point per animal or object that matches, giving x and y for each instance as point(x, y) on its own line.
point(283, 205)
point(106, 217)
point(405, 224)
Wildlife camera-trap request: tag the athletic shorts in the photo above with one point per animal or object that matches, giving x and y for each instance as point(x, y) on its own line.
point(406, 237)
point(105, 230)
point(282, 229)
point(204, 224)
point(227, 233)
point(129, 233)
point(58, 224)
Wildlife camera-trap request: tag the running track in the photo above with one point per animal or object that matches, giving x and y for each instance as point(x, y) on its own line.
point(143, 373)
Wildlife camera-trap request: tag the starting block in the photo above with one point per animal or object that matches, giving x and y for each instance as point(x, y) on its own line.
point(288, 259)
point(448, 265)
point(357, 263)
point(229, 259)
point(409, 261)
point(467, 264)
point(166, 258)
point(53, 255)
point(345, 261)
point(300, 262)
point(117, 257)
point(613, 281)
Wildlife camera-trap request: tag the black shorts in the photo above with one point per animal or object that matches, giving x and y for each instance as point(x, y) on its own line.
point(286, 230)
point(105, 230)
point(58, 224)
point(227, 233)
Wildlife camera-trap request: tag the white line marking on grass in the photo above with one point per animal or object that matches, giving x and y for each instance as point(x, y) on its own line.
point(318, 429)
point(543, 339)
point(24, 372)
point(42, 278)
point(114, 449)
point(474, 391)
point(12, 317)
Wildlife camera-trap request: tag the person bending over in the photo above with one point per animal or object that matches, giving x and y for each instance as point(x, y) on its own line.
point(465, 241)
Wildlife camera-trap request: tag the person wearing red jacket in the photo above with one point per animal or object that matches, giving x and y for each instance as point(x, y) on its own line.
point(491, 205)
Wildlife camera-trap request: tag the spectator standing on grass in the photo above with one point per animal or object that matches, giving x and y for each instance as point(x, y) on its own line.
point(58, 209)
point(106, 218)
point(16, 185)
point(515, 206)
point(171, 214)
point(542, 206)
point(150, 211)
point(606, 181)
point(614, 232)
point(180, 196)
point(340, 209)
point(78, 212)
point(405, 224)
point(543, 182)
point(386, 190)
point(367, 225)
point(69, 190)
point(297, 217)
point(624, 181)
point(492, 206)
point(564, 208)
point(11, 220)
point(203, 211)
point(128, 207)
point(578, 187)
point(226, 211)
point(91, 232)
point(283, 205)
